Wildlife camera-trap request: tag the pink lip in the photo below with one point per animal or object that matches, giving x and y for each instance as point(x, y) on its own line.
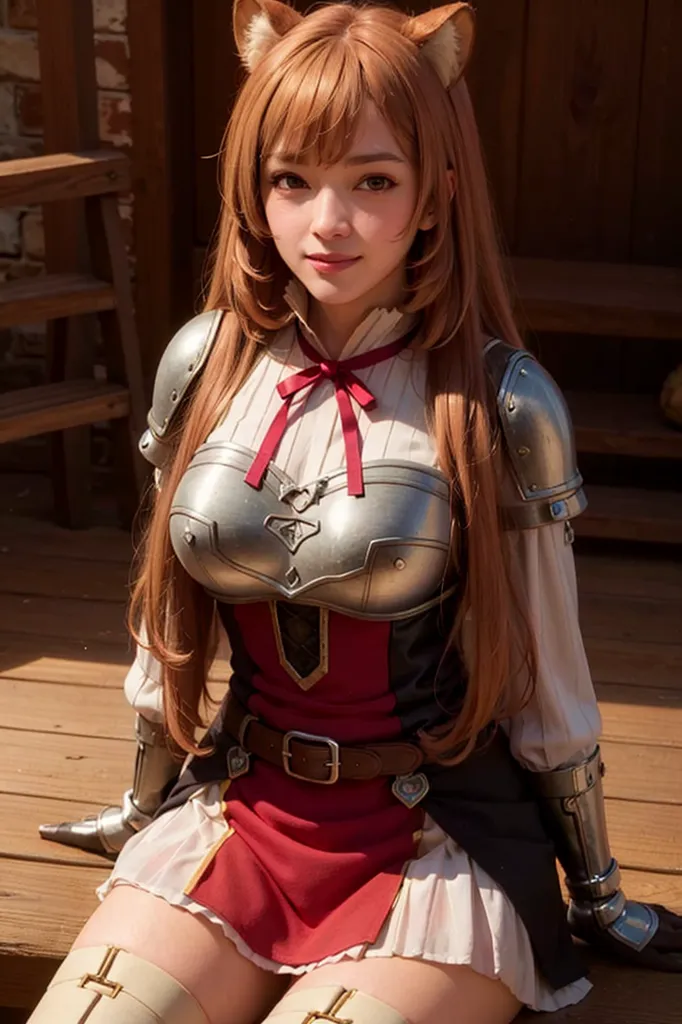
point(331, 262)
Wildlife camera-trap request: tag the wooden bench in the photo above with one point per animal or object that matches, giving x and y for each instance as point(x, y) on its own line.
point(67, 747)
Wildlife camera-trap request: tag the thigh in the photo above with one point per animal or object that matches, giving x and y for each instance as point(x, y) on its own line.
point(422, 992)
point(230, 988)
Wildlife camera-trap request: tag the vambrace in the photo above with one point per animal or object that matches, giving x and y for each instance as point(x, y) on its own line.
point(572, 801)
point(106, 832)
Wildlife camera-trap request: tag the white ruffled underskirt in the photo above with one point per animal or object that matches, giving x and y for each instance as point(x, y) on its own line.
point(448, 909)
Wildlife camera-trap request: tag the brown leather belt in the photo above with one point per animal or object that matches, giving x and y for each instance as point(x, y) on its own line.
point(318, 758)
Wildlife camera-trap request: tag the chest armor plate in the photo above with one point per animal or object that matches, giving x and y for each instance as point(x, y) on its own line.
point(382, 556)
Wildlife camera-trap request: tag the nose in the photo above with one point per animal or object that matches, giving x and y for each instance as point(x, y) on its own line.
point(330, 217)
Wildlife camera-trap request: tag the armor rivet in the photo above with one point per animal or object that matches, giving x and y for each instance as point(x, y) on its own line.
point(399, 563)
point(174, 396)
point(165, 422)
point(523, 450)
point(144, 444)
point(533, 487)
point(189, 538)
point(190, 367)
point(523, 373)
point(511, 406)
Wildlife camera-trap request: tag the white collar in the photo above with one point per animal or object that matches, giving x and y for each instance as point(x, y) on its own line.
point(379, 327)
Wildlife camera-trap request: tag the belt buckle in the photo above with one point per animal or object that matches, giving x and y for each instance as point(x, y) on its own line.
point(334, 751)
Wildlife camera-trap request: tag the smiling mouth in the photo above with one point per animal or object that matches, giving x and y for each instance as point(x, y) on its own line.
point(331, 258)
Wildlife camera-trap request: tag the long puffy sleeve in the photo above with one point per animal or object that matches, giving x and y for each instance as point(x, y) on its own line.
point(144, 687)
point(561, 722)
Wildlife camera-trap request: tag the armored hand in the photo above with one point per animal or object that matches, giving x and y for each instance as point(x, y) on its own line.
point(599, 913)
point(106, 832)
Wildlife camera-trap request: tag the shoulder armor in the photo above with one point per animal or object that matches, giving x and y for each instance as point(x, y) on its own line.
point(543, 484)
point(181, 362)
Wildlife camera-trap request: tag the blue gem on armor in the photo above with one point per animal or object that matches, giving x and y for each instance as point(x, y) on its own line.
point(410, 789)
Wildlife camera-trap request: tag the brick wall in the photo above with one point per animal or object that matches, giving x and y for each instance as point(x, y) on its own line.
point(21, 229)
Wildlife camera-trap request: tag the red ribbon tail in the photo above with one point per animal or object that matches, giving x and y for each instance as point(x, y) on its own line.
point(351, 438)
point(271, 441)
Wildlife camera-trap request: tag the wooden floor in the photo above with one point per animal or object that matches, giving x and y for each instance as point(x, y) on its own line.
point(66, 745)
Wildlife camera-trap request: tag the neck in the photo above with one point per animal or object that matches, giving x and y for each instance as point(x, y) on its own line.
point(335, 324)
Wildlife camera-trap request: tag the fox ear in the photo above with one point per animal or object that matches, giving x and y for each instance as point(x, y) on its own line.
point(259, 25)
point(445, 36)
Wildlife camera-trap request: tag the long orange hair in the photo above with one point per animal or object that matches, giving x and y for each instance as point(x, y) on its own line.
point(306, 95)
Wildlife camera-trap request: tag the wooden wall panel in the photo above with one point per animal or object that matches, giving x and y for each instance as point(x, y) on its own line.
point(495, 79)
point(216, 75)
point(161, 82)
point(580, 111)
point(657, 217)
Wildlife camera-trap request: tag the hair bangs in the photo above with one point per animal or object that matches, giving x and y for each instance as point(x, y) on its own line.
point(316, 105)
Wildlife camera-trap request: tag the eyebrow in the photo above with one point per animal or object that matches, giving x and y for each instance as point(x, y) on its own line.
point(351, 161)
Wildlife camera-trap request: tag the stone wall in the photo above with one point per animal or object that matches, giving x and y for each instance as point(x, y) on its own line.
point(22, 351)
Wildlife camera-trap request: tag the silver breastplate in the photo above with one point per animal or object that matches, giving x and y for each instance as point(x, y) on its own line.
point(382, 556)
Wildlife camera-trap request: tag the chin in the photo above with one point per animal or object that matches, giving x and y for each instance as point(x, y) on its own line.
point(333, 292)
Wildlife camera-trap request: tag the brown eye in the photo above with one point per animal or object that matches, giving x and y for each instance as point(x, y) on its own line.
point(378, 183)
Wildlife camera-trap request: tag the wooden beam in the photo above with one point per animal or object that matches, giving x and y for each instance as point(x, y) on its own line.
point(69, 90)
point(160, 35)
point(60, 176)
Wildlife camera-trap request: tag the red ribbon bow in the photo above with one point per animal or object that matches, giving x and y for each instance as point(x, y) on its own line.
point(346, 384)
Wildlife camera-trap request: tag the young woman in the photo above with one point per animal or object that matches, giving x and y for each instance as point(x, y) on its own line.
point(366, 482)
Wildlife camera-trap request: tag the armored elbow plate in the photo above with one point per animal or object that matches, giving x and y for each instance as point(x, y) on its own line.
point(542, 484)
point(180, 364)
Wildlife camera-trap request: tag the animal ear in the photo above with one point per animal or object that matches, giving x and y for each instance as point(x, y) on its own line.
point(259, 25)
point(445, 36)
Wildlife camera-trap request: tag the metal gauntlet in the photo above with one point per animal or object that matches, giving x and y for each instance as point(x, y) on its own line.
point(106, 832)
point(573, 807)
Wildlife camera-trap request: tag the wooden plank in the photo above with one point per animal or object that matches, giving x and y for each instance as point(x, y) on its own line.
point(20, 839)
point(645, 836)
point(599, 298)
point(630, 575)
point(161, 78)
point(45, 576)
point(51, 296)
point(36, 537)
point(629, 513)
point(67, 619)
point(636, 771)
point(63, 661)
point(77, 664)
point(51, 407)
point(580, 121)
point(634, 662)
point(632, 714)
point(621, 994)
point(64, 767)
point(23, 979)
point(495, 79)
point(618, 424)
point(66, 709)
point(657, 213)
point(26, 927)
point(59, 176)
point(636, 618)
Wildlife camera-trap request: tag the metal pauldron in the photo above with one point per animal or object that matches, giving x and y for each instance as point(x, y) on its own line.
point(573, 803)
point(544, 484)
point(181, 362)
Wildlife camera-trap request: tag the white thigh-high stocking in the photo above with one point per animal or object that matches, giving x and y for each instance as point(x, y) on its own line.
point(333, 1004)
point(106, 985)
